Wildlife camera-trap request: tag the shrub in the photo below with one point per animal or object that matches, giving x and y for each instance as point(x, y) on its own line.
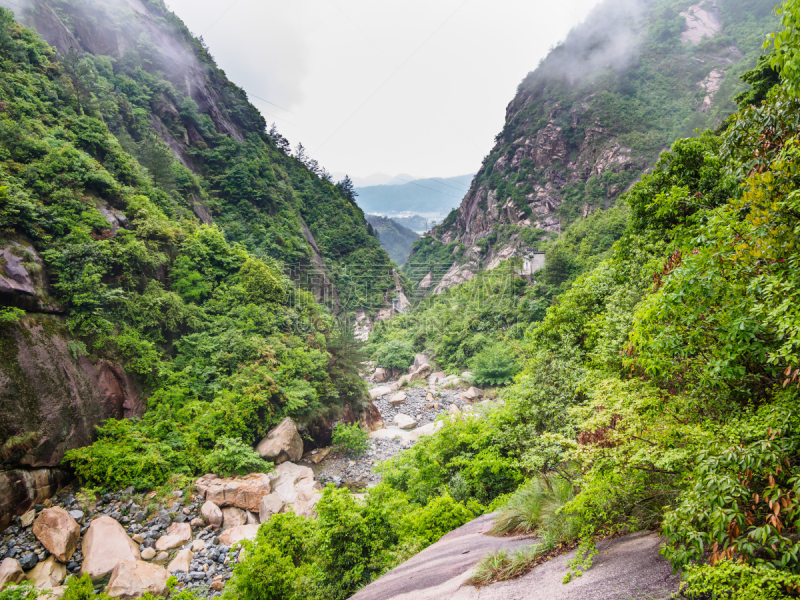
point(742, 581)
point(495, 365)
point(350, 439)
point(276, 560)
point(441, 515)
point(124, 455)
point(231, 456)
point(740, 505)
point(395, 355)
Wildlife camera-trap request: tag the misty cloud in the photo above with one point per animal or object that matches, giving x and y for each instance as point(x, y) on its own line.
point(262, 45)
point(607, 39)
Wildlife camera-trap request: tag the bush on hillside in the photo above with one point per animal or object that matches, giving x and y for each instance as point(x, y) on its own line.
point(395, 354)
point(495, 365)
point(125, 455)
point(350, 439)
point(231, 456)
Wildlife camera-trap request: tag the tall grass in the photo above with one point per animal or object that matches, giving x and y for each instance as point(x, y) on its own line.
point(534, 508)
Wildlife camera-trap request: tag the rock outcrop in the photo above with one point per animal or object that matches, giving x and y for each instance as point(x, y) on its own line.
point(627, 567)
point(282, 443)
point(21, 489)
point(52, 401)
point(562, 154)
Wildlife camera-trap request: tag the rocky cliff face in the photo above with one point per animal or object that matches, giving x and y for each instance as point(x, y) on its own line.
point(51, 396)
point(591, 119)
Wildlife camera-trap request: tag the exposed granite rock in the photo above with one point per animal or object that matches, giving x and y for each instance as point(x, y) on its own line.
point(52, 400)
point(10, 572)
point(21, 489)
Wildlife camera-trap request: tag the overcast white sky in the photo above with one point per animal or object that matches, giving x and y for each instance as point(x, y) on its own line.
point(392, 86)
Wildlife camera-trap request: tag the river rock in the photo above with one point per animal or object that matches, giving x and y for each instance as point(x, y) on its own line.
point(454, 410)
point(242, 492)
point(404, 421)
point(318, 456)
point(428, 429)
point(28, 560)
point(133, 579)
point(198, 545)
point(377, 392)
point(212, 514)
point(104, 546)
point(58, 532)
point(182, 561)
point(177, 535)
point(281, 444)
point(48, 574)
point(10, 572)
point(28, 517)
point(270, 505)
point(233, 517)
point(398, 399)
point(473, 393)
point(148, 554)
point(236, 534)
point(436, 378)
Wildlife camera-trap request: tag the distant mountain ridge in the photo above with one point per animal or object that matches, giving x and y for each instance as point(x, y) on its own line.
point(394, 238)
point(433, 197)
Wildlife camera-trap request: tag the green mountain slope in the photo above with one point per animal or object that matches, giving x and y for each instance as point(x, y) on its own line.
point(591, 119)
point(394, 238)
point(112, 275)
point(144, 75)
